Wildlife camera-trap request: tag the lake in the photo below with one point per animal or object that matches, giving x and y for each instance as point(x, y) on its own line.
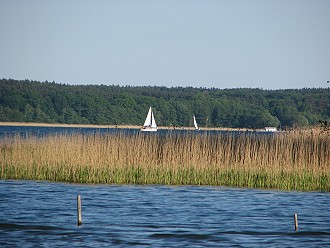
point(44, 214)
point(42, 131)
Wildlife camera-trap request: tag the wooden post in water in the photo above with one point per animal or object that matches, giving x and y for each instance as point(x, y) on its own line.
point(79, 210)
point(295, 222)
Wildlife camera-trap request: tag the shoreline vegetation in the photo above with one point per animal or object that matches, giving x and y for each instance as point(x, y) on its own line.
point(51, 102)
point(298, 160)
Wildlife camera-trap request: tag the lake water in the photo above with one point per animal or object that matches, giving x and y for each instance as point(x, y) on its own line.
point(23, 131)
point(26, 131)
point(44, 214)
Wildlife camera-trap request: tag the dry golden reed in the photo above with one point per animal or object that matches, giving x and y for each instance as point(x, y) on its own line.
point(288, 161)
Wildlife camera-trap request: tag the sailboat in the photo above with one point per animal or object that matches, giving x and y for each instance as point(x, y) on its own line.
point(195, 124)
point(150, 123)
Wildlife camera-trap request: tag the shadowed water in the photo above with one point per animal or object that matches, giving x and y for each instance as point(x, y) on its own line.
point(43, 214)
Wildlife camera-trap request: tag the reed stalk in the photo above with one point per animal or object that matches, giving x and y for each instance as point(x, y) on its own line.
point(287, 161)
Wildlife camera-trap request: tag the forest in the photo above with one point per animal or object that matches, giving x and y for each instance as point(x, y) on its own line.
point(50, 102)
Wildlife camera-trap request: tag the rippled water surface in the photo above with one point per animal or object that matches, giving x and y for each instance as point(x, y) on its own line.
point(34, 214)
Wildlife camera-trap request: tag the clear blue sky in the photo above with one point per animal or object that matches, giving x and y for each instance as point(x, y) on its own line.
point(269, 44)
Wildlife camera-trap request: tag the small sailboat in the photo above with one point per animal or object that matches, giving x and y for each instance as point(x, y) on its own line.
point(150, 123)
point(195, 124)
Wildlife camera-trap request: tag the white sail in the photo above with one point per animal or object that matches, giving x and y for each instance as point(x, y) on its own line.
point(149, 123)
point(195, 123)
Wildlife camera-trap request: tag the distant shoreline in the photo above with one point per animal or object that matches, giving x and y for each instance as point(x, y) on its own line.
point(35, 124)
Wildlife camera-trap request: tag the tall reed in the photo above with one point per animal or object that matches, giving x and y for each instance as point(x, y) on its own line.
point(289, 161)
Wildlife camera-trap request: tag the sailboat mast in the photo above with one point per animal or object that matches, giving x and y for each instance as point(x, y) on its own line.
point(195, 123)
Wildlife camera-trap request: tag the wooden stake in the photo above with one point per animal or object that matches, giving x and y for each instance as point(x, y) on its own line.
point(79, 210)
point(295, 222)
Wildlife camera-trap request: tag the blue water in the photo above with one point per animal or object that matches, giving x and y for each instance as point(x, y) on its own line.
point(44, 214)
point(27, 131)
point(24, 131)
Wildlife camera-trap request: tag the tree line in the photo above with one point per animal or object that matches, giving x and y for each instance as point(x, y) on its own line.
point(50, 102)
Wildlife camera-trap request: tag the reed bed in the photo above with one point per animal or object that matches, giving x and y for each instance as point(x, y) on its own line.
point(286, 161)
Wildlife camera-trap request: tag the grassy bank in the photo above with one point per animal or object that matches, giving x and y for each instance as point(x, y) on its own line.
point(288, 161)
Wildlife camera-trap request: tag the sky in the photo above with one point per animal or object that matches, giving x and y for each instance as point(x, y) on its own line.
point(268, 44)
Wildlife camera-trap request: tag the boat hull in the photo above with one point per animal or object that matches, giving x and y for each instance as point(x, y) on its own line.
point(149, 129)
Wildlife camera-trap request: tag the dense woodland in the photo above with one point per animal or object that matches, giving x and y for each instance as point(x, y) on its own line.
point(50, 102)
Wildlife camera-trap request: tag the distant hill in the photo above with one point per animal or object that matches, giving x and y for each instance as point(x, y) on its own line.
point(31, 101)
